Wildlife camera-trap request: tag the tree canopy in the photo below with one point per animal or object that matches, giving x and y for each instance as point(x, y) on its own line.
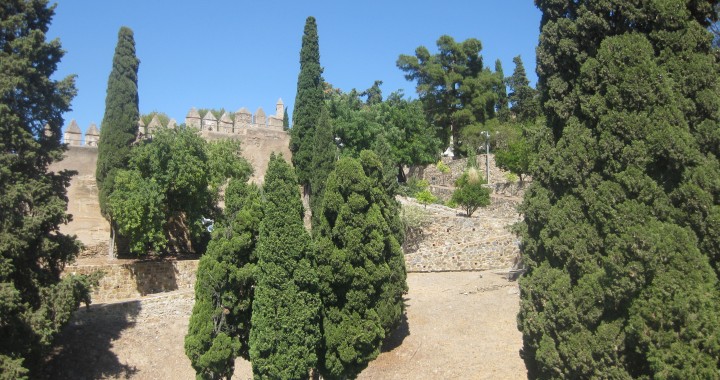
point(219, 326)
point(455, 87)
point(360, 264)
point(620, 232)
point(286, 307)
point(34, 302)
point(119, 126)
point(308, 103)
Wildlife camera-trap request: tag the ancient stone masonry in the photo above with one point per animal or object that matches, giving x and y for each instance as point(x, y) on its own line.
point(239, 122)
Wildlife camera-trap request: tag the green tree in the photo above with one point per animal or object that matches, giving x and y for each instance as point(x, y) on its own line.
point(620, 232)
point(454, 86)
point(309, 102)
point(517, 154)
point(34, 302)
point(323, 161)
point(523, 98)
point(219, 326)
point(286, 308)
point(172, 183)
point(373, 94)
point(286, 120)
point(119, 126)
point(361, 267)
point(470, 192)
point(425, 197)
point(501, 89)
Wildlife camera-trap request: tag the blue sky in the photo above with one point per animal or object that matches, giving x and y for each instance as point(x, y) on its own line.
point(233, 54)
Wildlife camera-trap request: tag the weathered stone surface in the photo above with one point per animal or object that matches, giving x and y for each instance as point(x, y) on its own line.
point(226, 123)
point(260, 119)
point(172, 124)
point(73, 135)
point(193, 120)
point(243, 119)
point(450, 241)
point(154, 125)
point(209, 122)
point(92, 136)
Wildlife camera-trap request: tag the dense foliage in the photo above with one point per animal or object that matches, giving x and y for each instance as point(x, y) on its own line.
point(469, 192)
point(286, 307)
point(323, 161)
point(621, 223)
point(219, 326)
point(456, 89)
point(119, 126)
point(397, 122)
point(34, 302)
point(524, 100)
point(360, 265)
point(308, 103)
point(171, 184)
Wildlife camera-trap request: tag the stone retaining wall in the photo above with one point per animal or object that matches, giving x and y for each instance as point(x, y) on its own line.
point(449, 241)
point(137, 279)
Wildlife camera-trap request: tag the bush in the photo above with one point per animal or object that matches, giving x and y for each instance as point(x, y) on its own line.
point(442, 167)
point(413, 186)
point(470, 192)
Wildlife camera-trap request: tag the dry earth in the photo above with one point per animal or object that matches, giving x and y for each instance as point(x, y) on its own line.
point(460, 325)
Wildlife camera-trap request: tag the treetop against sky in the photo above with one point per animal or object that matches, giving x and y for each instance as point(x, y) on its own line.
point(245, 54)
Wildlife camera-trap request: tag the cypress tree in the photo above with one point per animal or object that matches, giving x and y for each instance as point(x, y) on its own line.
point(34, 302)
point(286, 120)
point(361, 266)
point(286, 307)
point(120, 121)
point(322, 161)
point(219, 326)
point(501, 108)
point(308, 104)
point(620, 232)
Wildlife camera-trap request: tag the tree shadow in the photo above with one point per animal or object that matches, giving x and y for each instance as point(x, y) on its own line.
point(397, 336)
point(83, 348)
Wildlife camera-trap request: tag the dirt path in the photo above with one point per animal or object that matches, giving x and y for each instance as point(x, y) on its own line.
point(459, 326)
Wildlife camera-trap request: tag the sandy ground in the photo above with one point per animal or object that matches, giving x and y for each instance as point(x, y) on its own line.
point(459, 326)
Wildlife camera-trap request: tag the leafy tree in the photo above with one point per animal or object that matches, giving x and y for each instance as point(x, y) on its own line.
point(620, 232)
point(172, 184)
point(373, 94)
point(517, 155)
point(286, 307)
point(219, 326)
point(361, 267)
point(309, 102)
point(34, 302)
point(119, 126)
point(470, 192)
point(425, 197)
point(454, 86)
point(523, 98)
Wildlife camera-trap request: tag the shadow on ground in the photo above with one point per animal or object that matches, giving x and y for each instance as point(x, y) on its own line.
point(83, 347)
point(396, 338)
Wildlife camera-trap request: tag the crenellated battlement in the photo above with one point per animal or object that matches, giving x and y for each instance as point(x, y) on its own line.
point(238, 123)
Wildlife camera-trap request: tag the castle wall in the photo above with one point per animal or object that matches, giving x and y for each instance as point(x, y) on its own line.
point(87, 222)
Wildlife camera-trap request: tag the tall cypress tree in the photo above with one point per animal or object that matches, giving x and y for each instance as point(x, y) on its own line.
point(322, 161)
point(219, 326)
point(621, 223)
point(361, 266)
point(34, 302)
point(308, 104)
point(502, 96)
point(120, 121)
point(286, 307)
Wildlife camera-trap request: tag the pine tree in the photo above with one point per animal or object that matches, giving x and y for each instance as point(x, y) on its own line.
point(361, 266)
point(308, 104)
point(502, 96)
point(286, 120)
point(120, 121)
point(523, 98)
point(286, 308)
point(34, 302)
point(219, 326)
point(620, 232)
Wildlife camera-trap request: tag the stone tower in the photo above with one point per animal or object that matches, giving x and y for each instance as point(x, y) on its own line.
point(73, 135)
point(92, 136)
point(280, 109)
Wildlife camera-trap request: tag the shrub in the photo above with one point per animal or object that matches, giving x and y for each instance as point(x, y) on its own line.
point(470, 192)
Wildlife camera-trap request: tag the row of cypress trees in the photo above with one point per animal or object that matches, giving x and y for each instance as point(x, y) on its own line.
point(290, 302)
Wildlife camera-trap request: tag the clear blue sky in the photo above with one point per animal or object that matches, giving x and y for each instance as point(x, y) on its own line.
point(233, 54)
